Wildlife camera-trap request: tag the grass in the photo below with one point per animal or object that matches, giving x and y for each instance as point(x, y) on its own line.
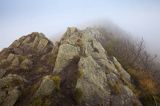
point(144, 81)
point(148, 88)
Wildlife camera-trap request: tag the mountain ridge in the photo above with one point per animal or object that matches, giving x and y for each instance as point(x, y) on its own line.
point(76, 71)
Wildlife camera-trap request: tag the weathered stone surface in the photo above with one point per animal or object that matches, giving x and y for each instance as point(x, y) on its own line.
point(25, 54)
point(10, 57)
point(2, 96)
point(46, 88)
point(35, 42)
point(26, 64)
point(72, 29)
point(26, 40)
point(12, 97)
point(93, 82)
point(9, 92)
point(42, 44)
point(15, 62)
point(2, 72)
point(3, 63)
point(121, 70)
point(101, 77)
point(65, 54)
point(10, 79)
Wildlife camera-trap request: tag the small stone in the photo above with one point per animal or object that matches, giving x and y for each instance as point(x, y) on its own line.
point(9, 79)
point(124, 74)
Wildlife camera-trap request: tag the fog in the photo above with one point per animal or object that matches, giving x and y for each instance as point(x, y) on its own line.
point(139, 18)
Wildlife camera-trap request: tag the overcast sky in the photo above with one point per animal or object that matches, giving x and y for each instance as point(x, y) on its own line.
point(21, 17)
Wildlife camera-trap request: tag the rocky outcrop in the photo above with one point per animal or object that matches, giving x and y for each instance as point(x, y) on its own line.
point(10, 89)
point(74, 71)
point(102, 80)
point(22, 69)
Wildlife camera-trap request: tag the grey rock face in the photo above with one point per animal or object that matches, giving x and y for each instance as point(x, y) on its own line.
point(2, 72)
point(8, 81)
point(101, 82)
point(42, 44)
point(122, 72)
point(9, 92)
point(25, 64)
point(15, 62)
point(10, 57)
point(66, 52)
point(46, 88)
point(12, 97)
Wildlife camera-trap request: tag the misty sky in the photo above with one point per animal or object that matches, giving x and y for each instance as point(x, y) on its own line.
point(21, 17)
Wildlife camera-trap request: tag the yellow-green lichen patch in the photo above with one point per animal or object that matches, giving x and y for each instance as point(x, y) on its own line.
point(37, 102)
point(80, 73)
point(56, 79)
point(78, 95)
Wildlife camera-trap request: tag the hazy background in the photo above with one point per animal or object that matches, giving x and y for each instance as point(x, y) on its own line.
point(21, 17)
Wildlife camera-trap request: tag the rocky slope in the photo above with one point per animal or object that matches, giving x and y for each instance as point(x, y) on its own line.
point(76, 71)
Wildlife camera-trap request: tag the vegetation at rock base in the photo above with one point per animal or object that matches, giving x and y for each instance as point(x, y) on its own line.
point(37, 102)
point(147, 89)
point(115, 87)
point(80, 73)
point(78, 94)
point(140, 64)
point(56, 79)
